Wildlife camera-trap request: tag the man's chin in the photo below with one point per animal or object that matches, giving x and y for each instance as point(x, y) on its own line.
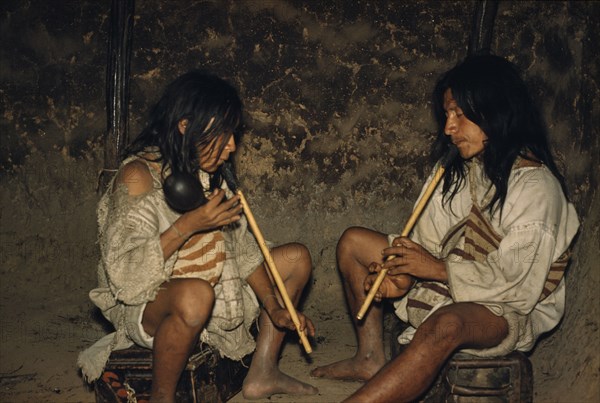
point(467, 154)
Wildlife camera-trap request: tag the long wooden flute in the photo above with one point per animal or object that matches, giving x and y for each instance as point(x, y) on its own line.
point(274, 272)
point(446, 161)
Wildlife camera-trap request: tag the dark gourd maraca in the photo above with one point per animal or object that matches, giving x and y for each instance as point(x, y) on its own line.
point(183, 192)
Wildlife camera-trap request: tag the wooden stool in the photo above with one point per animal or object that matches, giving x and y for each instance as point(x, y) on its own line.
point(206, 378)
point(466, 378)
point(469, 379)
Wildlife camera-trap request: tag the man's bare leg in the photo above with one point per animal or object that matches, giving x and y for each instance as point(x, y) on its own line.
point(175, 319)
point(356, 250)
point(461, 325)
point(264, 377)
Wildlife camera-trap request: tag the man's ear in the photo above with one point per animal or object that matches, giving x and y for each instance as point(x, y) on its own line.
point(182, 125)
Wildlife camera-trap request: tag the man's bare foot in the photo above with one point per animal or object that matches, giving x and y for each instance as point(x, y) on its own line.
point(263, 385)
point(351, 369)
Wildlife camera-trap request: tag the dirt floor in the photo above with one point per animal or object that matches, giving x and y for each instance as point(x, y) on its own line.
point(41, 338)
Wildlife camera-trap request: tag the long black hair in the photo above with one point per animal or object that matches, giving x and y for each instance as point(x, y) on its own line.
point(211, 107)
point(492, 94)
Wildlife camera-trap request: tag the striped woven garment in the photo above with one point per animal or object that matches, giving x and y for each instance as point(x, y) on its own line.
point(480, 240)
point(202, 256)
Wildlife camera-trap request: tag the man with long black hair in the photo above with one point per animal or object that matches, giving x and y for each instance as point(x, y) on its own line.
point(482, 271)
point(168, 279)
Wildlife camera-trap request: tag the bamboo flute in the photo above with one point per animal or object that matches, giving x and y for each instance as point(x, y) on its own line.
point(274, 272)
point(409, 226)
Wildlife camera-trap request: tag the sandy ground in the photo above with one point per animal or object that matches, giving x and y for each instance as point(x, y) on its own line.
point(337, 342)
point(41, 337)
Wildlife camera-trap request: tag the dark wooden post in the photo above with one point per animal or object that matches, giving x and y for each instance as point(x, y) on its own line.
point(483, 26)
point(117, 85)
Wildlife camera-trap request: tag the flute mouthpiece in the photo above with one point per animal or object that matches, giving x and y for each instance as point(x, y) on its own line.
point(228, 173)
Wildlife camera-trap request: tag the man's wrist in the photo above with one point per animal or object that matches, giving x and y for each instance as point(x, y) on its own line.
point(443, 272)
point(181, 230)
point(270, 303)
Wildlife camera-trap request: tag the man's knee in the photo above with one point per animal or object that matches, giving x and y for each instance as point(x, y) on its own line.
point(193, 301)
point(296, 258)
point(348, 242)
point(444, 328)
point(455, 326)
point(300, 255)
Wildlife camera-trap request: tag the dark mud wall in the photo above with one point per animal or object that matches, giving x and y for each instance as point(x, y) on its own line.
point(338, 115)
point(52, 68)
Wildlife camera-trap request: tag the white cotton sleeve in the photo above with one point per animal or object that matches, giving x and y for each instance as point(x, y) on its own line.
point(437, 217)
point(131, 252)
point(512, 277)
point(538, 225)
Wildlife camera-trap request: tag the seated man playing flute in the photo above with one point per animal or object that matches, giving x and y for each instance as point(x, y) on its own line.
point(482, 271)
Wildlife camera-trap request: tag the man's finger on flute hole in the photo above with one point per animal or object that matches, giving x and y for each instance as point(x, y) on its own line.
point(398, 268)
point(391, 262)
point(394, 263)
point(302, 324)
point(407, 243)
point(392, 251)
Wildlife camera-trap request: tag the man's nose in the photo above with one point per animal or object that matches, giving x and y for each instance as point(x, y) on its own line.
point(231, 145)
point(450, 127)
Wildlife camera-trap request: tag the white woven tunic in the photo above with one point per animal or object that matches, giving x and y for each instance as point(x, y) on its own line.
point(132, 267)
point(536, 227)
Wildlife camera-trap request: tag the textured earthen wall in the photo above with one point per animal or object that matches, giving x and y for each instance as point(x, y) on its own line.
point(52, 100)
point(338, 114)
